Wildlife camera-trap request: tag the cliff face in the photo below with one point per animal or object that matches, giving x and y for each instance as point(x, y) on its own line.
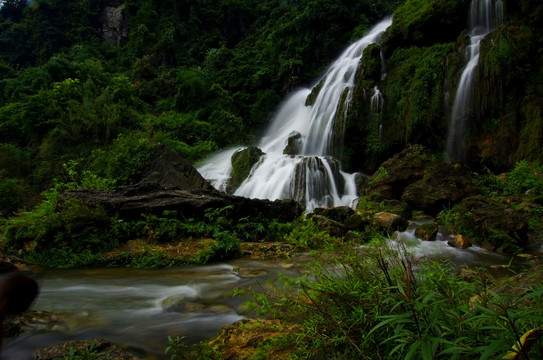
point(423, 67)
point(113, 25)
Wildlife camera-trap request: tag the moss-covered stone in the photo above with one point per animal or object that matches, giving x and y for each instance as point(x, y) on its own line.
point(426, 22)
point(312, 97)
point(242, 162)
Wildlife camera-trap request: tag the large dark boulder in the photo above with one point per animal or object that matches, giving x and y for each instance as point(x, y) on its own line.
point(168, 170)
point(405, 168)
point(242, 163)
point(443, 186)
point(497, 224)
point(172, 184)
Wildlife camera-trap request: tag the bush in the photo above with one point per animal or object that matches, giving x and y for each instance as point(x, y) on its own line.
point(379, 303)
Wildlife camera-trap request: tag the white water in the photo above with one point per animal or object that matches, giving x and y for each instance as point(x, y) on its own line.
point(485, 16)
point(313, 176)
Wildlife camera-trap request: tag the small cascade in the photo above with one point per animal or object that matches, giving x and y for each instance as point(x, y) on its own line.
point(377, 103)
point(306, 172)
point(485, 16)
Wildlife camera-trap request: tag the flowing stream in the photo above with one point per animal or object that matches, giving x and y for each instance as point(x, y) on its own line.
point(312, 175)
point(141, 308)
point(485, 16)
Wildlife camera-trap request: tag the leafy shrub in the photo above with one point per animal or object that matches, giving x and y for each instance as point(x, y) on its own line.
point(379, 303)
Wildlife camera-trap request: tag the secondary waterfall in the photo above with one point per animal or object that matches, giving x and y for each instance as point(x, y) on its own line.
point(485, 16)
point(310, 175)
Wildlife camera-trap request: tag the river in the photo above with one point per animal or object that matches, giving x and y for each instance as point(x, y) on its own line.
point(140, 308)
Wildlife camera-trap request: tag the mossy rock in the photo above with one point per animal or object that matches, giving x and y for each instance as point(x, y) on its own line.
point(498, 225)
point(312, 97)
point(444, 185)
point(426, 22)
point(403, 169)
point(242, 163)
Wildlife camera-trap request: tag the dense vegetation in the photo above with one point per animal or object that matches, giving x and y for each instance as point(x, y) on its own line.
point(196, 76)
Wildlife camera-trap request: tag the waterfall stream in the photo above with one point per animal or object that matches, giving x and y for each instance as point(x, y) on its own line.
point(312, 175)
point(485, 16)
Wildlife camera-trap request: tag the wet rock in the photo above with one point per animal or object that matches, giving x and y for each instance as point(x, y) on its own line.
point(459, 242)
point(427, 232)
point(32, 321)
point(239, 340)
point(242, 163)
point(361, 181)
point(310, 100)
point(339, 213)
point(390, 222)
point(269, 251)
point(102, 349)
point(294, 144)
point(444, 185)
point(406, 167)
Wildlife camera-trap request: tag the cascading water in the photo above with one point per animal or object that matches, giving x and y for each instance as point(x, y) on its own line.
point(311, 175)
point(485, 16)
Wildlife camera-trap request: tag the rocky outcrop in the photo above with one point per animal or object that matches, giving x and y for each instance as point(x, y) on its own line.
point(390, 222)
point(444, 185)
point(496, 224)
point(172, 183)
point(406, 167)
point(294, 144)
point(168, 170)
point(113, 25)
point(130, 202)
point(242, 163)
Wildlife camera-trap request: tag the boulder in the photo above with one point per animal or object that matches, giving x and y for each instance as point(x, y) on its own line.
point(312, 97)
point(338, 213)
point(356, 222)
point(397, 207)
point(427, 232)
point(390, 222)
point(403, 169)
point(242, 163)
point(459, 242)
point(103, 349)
point(499, 224)
point(332, 227)
point(444, 185)
point(168, 170)
point(294, 144)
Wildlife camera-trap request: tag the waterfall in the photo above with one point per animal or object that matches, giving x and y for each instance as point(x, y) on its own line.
point(485, 16)
point(311, 176)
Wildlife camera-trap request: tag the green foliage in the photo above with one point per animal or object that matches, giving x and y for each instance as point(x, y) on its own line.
point(307, 234)
point(415, 85)
point(11, 195)
point(381, 304)
point(177, 349)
